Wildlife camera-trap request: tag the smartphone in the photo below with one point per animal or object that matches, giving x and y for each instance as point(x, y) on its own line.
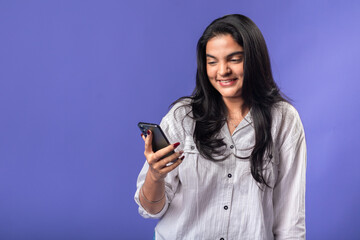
point(159, 140)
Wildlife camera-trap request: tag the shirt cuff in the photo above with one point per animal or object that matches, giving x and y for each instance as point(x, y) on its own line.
point(144, 213)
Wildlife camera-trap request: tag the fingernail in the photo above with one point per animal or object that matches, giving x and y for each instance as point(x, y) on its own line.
point(176, 144)
point(182, 158)
point(142, 134)
point(148, 132)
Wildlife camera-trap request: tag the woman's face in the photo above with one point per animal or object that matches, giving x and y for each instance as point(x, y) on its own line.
point(225, 65)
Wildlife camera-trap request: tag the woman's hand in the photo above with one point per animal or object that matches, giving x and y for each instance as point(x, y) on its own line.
point(152, 192)
point(158, 166)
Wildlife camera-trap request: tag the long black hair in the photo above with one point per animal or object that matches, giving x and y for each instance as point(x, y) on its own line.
point(259, 92)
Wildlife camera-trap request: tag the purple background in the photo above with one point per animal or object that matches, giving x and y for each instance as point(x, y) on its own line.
point(77, 76)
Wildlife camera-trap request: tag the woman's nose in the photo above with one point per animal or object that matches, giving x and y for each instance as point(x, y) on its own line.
point(224, 69)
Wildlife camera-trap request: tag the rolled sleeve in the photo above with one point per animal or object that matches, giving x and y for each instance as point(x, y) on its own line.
point(171, 183)
point(143, 212)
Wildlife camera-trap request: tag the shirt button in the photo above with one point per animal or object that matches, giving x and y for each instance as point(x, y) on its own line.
point(192, 147)
point(231, 146)
point(226, 207)
point(229, 175)
point(222, 239)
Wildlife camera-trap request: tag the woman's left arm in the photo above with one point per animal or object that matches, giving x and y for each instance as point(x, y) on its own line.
point(289, 190)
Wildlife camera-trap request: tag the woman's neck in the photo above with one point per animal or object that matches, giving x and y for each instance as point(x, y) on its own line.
point(236, 108)
point(236, 112)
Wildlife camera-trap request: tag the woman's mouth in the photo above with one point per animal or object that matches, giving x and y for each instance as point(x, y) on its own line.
point(226, 82)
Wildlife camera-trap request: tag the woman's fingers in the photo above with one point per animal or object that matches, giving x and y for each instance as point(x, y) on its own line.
point(166, 150)
point(171, 167)
point(148, 143)
point(143, 137)
point(159, 165)
point(163, 163)
point(161, 168)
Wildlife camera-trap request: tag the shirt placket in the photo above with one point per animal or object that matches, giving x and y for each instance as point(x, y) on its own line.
point(226, 204)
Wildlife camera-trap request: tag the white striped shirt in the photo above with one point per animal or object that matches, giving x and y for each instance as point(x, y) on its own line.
point(220, 199)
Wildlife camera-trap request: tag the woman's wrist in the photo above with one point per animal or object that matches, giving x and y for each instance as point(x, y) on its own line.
point(148, 200)
point(154, 178)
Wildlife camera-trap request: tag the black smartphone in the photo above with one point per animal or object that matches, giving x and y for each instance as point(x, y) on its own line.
point(159, 139)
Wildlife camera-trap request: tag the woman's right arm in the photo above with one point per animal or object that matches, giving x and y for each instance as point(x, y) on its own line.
point(152, 193)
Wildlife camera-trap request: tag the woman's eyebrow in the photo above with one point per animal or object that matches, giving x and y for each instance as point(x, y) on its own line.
point(230, 55)
point(235, 53)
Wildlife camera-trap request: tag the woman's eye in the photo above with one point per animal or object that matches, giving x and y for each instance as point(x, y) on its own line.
point(236, 60)
point(211, 63)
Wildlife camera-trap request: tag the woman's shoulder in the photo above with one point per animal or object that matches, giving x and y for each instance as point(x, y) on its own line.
point(284, 111)
point(286, 124)
point(179, 119)
point(180, 109)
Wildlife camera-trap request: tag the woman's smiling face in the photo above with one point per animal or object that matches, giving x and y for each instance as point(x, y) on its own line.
point(225, 65)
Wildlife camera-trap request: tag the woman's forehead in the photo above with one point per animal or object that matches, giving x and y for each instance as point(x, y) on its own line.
point(222, 45)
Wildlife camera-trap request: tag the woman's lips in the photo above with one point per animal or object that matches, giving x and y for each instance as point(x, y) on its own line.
point(226, 82)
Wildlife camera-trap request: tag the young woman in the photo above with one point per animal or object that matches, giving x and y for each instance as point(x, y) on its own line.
point(240, 159)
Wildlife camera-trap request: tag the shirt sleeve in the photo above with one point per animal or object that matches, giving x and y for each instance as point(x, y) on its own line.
point(171, 182)
point(173, 129)
point(289, 190)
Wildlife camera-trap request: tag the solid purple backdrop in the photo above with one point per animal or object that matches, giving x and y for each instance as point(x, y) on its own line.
point(77, 76)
